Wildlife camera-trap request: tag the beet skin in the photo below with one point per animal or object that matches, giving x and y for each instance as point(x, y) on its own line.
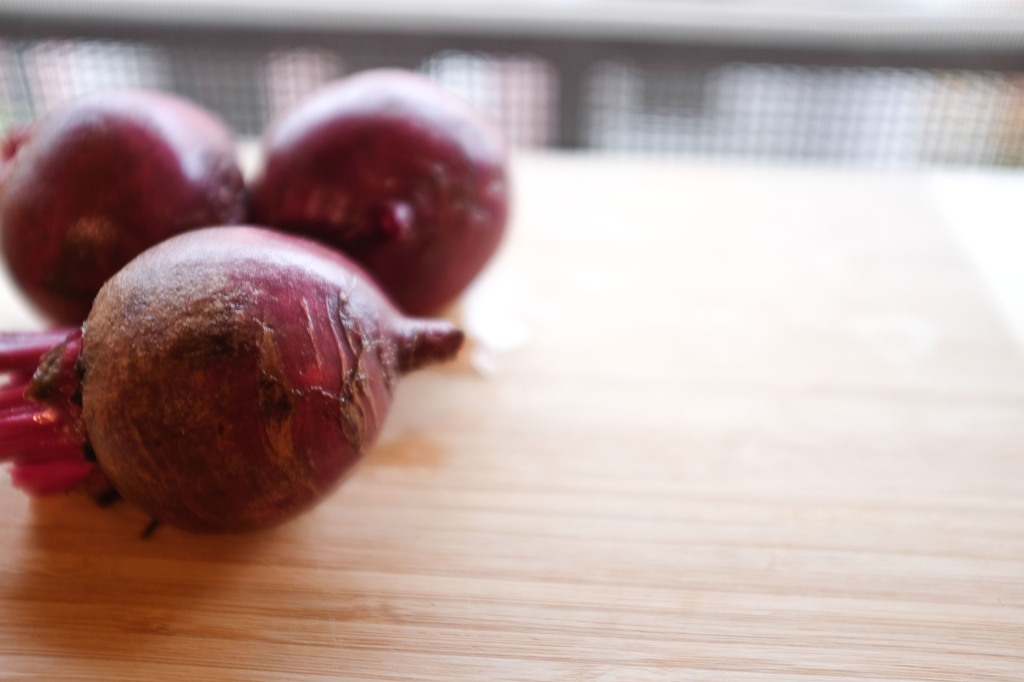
point(395, 171)
point(94, 183)
point(230, 377)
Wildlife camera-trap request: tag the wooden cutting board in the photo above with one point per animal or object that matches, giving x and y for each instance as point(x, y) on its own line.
point(718, 423)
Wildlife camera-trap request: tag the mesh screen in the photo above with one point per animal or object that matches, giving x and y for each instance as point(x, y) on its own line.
point(863, 116)
point(856, 115)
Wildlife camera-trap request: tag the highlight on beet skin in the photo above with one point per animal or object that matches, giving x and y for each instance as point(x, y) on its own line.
point(226, 379)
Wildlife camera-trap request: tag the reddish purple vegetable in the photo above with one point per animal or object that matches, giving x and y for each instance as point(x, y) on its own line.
point(395, 171)
point(226, 380)
point(90, 186)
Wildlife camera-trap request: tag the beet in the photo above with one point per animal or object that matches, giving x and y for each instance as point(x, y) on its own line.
point(225, 380)
point(90, 186)
point(395, 171)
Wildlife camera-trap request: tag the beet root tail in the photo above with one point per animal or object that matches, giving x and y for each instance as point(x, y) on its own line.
point(425, 342)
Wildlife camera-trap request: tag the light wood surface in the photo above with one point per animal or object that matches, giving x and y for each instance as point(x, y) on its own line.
point(720, 423)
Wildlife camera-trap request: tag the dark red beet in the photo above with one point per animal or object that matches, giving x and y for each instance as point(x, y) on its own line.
point(395, 171)
point(90, 186)
point(226, 380)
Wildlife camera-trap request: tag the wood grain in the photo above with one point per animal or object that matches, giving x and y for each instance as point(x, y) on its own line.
point(720, 423)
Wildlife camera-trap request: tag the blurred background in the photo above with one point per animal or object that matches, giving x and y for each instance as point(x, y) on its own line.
point(878, 83)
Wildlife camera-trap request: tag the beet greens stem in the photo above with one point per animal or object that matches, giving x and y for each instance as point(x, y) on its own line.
point(45, 454)
point(21, 351)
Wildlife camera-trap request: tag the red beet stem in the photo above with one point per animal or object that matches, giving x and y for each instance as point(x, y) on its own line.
point(26, 422)
point(12, 396)
point(38, 439)
point(21, 352)
point(47, 449)
point(424, 342)
point(47, 478)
